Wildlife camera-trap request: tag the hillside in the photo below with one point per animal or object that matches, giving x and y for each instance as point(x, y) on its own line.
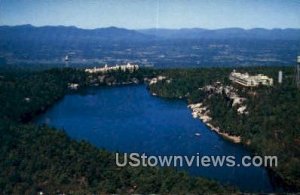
point(270, 125)
point(69, 33)
point(226, 33)
point(36, 159)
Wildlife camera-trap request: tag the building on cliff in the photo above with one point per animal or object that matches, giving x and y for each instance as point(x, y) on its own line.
point(250, 80)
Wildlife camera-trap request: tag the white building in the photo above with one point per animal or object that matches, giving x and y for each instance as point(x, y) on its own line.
point(249, 80)
point(130, 67)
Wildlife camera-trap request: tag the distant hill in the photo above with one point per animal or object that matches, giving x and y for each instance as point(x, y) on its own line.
point(69, 33)
point(226, 33)
point(111, 34)
point(50, 43)
point(195, 47)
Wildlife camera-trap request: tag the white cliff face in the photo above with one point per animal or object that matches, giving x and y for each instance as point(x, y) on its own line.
point(242, 110)
point(73, 85)
point(202, 112)
point(230, 92)
point(153, 81)
point(158, 78)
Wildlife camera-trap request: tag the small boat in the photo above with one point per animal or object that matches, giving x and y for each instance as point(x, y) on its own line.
point(197, 134)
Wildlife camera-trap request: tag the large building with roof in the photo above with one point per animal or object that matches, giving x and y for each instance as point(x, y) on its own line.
point(247, 80)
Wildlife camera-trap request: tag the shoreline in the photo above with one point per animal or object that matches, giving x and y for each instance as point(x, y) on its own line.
point(201, 112)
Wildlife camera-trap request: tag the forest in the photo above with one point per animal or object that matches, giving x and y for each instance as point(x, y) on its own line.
point(272, 126)
point(37, 159)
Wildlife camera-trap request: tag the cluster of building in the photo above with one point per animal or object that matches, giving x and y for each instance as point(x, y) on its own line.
point(127, 67)
point(250, 80)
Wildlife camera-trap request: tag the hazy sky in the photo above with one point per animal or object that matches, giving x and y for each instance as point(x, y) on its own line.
point(137, 14)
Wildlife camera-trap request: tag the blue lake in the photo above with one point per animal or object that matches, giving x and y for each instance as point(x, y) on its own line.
point(129, 119)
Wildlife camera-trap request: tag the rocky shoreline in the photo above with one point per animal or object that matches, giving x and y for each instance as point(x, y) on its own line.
point(202, 112)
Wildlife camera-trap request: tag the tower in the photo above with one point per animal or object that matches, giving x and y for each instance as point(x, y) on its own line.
point(66, 60)
point(280, 77)
point(298, 72)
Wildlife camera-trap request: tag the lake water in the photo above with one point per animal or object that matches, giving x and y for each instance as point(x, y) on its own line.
point(129, 119)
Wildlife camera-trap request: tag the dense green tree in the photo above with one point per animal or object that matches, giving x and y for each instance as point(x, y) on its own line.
point(272, 126)
point(39, 158)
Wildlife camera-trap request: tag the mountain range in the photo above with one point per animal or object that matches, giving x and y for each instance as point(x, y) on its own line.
point(159, 47)
point(225, 33)
point(69, 33)
point(55, 33)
